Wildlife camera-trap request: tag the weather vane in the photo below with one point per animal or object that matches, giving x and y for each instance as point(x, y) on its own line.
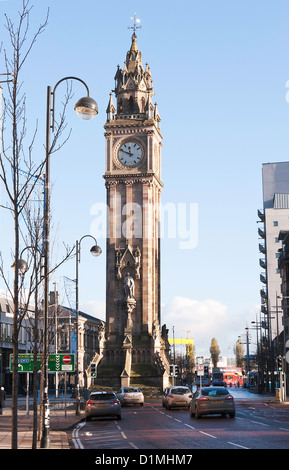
point(135, 22)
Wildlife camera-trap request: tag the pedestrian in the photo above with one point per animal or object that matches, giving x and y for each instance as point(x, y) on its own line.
point(2, 399)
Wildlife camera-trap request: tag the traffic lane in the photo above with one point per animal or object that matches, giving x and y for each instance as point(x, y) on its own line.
point(242, 431)
point(100, 433)
point(245, 430)
point(139, 428)
point(153, 427)
point(148, 428)
point(175, 429)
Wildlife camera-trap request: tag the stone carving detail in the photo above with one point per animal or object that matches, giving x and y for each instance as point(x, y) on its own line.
point(128, 257)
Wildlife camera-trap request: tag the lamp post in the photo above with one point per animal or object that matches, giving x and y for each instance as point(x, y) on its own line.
point(95, 251)
point(86, 108)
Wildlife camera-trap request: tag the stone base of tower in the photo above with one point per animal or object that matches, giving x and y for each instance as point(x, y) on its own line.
point(133, 360)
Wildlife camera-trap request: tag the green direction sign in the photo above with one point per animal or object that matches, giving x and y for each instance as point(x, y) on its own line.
point(61, 362)
point(56, 362)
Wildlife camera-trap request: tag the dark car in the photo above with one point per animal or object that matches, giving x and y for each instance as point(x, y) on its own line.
point(212, 400)
point(101, 404)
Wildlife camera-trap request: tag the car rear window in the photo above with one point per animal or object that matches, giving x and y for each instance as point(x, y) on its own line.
point(180, 391)
point(131, 390)
point(102, 396)
point(214, 392)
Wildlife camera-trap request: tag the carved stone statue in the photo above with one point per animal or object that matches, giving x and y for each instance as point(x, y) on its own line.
point(128, 286)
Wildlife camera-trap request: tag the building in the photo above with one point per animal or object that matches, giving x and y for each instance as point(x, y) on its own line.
point(6, 348)
point(135, 346)
point(62, 336)
point(274, 217)
point(61, 340)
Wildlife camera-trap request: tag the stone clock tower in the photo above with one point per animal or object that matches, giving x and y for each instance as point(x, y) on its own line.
point(133, 346)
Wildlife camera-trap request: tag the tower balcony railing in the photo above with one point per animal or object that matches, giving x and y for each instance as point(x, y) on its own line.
point(263, 278)
point(263, 263)
point(261, 232)
point(263, 293)
point(261, 214)
point(264, 309)
point(262, 248)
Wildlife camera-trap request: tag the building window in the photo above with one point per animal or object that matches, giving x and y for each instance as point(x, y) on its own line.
point(275, 223)
point(277, 271)
point(277, 255)
point(277, 240)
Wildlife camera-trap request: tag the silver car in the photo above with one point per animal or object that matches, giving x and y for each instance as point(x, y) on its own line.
point(176, 397)
point(130, 395)
point(212, 400)
point(101, 404)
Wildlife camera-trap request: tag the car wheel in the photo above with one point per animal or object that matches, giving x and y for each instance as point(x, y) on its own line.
point(141, 404)
point(118, 417)
point(197, 414)
point(87, 418)
point(191, 412)
point(232, 415)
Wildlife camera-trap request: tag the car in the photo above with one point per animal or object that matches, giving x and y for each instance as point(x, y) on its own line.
point(130, 395)
point(212, 400)
point(102, 404)
point(177, 396)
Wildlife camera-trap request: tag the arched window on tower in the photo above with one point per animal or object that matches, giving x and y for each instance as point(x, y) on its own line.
point(130, 105)
point(143, 105)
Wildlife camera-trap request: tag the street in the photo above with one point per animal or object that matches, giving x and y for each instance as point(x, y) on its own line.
point(259, 424)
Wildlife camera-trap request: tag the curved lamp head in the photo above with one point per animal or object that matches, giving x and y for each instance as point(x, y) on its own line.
point(86, 108)
point(95, 250)
point(22, 266)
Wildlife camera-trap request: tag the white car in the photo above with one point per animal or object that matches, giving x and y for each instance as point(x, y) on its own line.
point(177, 396)
point(130, 395)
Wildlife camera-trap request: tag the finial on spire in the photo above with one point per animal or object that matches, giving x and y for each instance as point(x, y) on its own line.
point(135, 22)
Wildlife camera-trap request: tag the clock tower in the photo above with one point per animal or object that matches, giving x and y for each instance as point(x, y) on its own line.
point(133, 346)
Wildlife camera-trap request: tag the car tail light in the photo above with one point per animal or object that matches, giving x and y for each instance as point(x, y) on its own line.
point(171, 396)
point(229, 397)
point(89, 403)
point(115, 402)
point(204, 399)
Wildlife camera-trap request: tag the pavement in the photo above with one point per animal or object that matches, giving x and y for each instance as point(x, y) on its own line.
point(61, 425)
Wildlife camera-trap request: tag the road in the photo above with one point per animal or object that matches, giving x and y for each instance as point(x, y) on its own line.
point(259, 424)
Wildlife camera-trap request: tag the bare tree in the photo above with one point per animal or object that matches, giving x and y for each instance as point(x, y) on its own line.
point(16, 158)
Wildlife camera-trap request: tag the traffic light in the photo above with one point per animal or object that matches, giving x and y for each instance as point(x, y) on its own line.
point(172, 367)
point(279, 363)
point(176, 371)
point(93, 369)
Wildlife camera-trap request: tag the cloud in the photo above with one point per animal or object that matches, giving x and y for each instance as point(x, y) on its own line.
point(94, 308)
point(204, 320)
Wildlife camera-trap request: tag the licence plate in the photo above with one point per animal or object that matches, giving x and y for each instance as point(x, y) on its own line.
point(180, 402)
point(101, 404)
point(217, 401)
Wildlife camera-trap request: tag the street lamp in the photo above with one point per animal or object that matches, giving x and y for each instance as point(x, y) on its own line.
point(85, 108)
point(95, 251)
point(22, 266)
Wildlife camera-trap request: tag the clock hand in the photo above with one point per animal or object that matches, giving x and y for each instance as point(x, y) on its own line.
point(129, 153)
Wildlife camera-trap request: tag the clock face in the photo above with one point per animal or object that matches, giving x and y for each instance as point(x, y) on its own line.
point(130, 154)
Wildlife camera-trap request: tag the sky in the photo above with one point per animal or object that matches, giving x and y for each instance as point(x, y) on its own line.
point(220, 72)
